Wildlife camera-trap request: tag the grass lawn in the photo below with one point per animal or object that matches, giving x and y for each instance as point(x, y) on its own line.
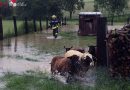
point(40, 81)
point(8, 27)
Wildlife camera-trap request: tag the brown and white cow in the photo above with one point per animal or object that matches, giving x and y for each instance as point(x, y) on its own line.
point(65, 66)
point(85, 59)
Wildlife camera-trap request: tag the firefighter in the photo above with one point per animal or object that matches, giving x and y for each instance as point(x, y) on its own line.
point(54, 25)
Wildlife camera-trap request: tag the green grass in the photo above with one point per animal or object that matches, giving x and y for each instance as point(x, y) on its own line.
point(68, 35)
point(35, 81)
point(40, 81)
point(68, 38)
point(105, 82)
point(72, 35)
point(8, 27)
point(73, 22)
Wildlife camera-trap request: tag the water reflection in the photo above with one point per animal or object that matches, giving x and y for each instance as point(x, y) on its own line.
point(15, 45)
point(1, 45)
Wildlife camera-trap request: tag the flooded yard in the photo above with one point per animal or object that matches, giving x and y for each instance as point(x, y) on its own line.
point(35, 51)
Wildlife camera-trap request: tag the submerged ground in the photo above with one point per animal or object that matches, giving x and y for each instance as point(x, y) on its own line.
point(25, 62)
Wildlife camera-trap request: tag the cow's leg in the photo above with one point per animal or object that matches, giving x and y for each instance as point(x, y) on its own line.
point(62, 74)
point(69, 78)
point(53, 73)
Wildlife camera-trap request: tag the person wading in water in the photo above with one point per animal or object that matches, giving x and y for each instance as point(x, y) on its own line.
point(54, 25)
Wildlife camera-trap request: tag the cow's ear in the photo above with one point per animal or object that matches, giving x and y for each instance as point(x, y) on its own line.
point(71, 47)
point(71, 57)
point(64, 47)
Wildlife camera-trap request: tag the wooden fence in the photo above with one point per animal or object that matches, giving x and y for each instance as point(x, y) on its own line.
point(26, 25)
point(1, 29)
point(101, 44)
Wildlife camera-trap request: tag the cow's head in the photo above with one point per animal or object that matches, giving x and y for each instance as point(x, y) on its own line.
point(87, 60)
point(74, 63)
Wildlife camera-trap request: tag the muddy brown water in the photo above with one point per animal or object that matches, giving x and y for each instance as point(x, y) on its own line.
point(35, 51)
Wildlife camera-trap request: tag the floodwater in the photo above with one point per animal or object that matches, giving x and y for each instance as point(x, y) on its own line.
point(35, 51)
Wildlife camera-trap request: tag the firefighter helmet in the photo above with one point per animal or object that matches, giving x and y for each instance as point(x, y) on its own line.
point(53, 16)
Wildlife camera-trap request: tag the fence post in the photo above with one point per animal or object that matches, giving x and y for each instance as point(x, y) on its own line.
point(1, 28)
point(15, 25)
point(34, 24)
point(1, 45)
point(40, 22)
point(65, 21)
point(62, 20)
point(101, 41)
point(128, 20)
point(26, 25)
point(46, 22)
point(112, 21)
point(15, 44)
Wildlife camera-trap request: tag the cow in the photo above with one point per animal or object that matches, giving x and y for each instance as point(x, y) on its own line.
point(65, 66)
point(85, 59)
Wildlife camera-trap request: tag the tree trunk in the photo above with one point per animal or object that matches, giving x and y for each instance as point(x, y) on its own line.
point(70, 14)
point(112, 19)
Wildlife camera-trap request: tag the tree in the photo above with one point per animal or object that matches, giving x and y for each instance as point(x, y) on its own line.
point(39, 8)
point(55, 7)
point(113, 7)
point(5, 10)
point(72, 5)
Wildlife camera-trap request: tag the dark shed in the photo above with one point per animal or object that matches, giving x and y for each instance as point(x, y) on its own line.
point(88, 23)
